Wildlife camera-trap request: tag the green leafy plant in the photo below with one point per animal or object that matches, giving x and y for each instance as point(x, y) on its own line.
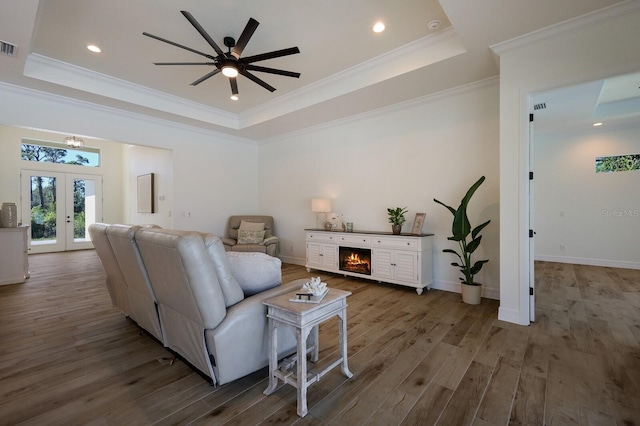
point(461, 231)
point(396, 216)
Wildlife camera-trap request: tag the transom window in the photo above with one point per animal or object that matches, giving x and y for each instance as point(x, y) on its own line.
point(52, 152)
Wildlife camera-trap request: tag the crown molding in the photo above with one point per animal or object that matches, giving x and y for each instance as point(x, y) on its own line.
point(65, 74)
point(432, 97)
point(615, 11)
point(37, 95)
point(417, 54)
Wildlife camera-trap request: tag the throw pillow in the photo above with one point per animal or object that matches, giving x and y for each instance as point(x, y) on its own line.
point(255, 272)
point(251, 226)
point(250, 237)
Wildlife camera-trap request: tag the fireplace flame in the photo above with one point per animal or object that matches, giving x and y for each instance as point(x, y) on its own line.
point(354, 262)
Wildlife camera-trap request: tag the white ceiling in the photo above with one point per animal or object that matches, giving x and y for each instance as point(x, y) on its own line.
point(345, 68)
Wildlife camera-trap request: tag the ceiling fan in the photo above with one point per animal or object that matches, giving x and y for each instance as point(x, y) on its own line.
point(231, 63)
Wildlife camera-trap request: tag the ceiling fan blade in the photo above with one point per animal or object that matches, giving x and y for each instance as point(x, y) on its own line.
point(178, 45)
point(270, 55)
point(202, 32)
point(257, 80)
point(248, 31)
point(204, 77)
point(184, 63)
point(234, 85)
point(273, 71)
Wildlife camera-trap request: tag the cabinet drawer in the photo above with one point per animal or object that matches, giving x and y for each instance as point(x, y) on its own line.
point(405, 243)
point(354, 240)
point(322, 237)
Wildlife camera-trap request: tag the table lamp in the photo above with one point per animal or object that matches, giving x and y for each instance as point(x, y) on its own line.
point(320, 206)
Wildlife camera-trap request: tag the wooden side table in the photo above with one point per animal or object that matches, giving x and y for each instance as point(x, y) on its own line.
point(305, 318)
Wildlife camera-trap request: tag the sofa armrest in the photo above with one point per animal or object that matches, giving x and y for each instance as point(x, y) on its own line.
point(228, 242)
point(270, 240)
point(255, 272)
point(240, 344)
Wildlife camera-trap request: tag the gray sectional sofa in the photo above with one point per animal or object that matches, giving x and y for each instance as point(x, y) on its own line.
point(202, 303)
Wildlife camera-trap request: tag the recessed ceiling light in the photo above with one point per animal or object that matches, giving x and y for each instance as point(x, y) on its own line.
point(597, 124)
point(378, 27)
point(94, 48)
point(234, 97)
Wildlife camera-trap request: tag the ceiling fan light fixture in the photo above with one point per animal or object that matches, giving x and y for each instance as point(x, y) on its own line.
point(229, 71)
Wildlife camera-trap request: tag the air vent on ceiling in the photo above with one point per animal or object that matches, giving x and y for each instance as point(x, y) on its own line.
point(8, 48)
point(539, 106)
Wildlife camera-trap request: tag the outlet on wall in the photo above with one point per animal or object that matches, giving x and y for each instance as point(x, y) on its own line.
point(561, 247)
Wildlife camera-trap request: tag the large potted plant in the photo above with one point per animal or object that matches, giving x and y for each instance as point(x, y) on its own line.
point(396, 218)
point(468, 240)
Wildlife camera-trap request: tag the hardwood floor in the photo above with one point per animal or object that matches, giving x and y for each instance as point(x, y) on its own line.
point(67, 357)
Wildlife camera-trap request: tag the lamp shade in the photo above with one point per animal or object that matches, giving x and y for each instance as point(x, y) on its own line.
point(320, 205)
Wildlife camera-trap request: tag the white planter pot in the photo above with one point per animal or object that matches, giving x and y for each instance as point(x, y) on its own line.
point(471, 294)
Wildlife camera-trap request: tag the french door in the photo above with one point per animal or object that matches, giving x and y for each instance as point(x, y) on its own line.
point(59, 207)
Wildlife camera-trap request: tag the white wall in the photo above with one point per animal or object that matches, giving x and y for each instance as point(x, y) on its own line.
point(142, 160)
point(111, 168)
point(214, 175)
point(551, 59)
point(436, 147)
point(581, 216)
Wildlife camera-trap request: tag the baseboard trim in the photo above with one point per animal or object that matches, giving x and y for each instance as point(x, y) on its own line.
point(454, 287)
point(510, 315)
point(586, 261)
point(292, 260)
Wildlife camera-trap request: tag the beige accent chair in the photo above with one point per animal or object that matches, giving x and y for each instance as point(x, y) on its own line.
point(269, 245)
point(116, 284)
point(205, 316)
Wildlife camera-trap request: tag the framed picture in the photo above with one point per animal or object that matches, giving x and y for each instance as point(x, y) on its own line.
point(417, 223)
point(145, 194)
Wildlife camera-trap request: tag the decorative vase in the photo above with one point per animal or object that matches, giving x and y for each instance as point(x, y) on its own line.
point(396, 229)
point(471, 294)
point(9, 215)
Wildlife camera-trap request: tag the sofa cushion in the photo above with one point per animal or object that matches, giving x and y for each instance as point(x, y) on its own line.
point(251, 226)
point(230, 288)
point(255, 272)
point(250, 237)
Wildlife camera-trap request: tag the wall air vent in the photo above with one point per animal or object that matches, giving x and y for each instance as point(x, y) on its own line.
point(8, 48)
point(542, 105)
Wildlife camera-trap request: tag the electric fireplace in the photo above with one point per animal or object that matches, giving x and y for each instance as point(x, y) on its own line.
point(356, 260)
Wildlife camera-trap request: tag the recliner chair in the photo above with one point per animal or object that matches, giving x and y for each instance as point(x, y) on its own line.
point(142, 299)
point(204, 315)
point(116, 284)
point(268, 245)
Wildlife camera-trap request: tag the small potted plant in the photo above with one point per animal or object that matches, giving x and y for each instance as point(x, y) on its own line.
point(461, 230)
point(396, 218)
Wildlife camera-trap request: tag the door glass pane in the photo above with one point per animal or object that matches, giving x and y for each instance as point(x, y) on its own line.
point(84, 208)
point(43, 210)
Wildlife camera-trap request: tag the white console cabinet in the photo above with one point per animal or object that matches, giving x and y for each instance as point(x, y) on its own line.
point(404, 259)
point(14, 260)
point(322, 251)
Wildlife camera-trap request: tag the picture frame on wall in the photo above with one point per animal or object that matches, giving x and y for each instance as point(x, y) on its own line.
point(145, 194)
point(417, 223)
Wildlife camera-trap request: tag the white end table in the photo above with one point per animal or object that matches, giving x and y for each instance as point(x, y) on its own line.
point(305, 318)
